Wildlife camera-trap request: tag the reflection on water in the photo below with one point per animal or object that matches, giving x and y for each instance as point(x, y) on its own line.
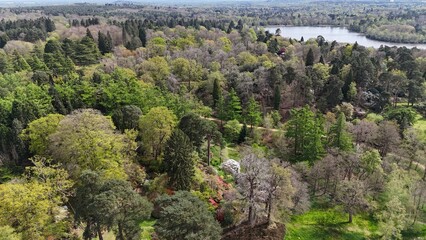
point(334, 33)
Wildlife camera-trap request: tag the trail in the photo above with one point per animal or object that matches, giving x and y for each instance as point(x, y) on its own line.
point(258, 128)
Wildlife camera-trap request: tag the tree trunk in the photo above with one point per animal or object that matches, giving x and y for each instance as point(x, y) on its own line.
point(269, 208)
point(120, 232)
point(99, 232)
point(209, 138)
point(350, 217)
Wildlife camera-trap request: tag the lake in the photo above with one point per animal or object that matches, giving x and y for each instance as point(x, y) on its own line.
point(338, 34)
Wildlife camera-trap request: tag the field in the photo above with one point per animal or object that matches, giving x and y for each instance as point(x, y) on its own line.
point(330, 224)
point(420, 126)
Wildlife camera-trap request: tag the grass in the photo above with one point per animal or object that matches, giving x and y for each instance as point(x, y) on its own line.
point(420, 126)
point(330, 224)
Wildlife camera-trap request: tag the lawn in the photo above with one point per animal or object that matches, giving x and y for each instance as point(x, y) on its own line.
point(330, 224)
point(420, 126)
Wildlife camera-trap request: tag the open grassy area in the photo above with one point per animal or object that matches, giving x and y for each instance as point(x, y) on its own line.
point(420, 126)
point(330, 224)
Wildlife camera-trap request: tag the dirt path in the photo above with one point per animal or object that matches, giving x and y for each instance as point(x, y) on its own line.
point(258, 128)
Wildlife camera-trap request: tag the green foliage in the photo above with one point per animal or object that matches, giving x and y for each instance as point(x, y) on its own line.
point(338, 136)
point(178, 161)
point(86, 140)
point(156, 128)
point(8, 233)
point(234, 108)
point(305, 132)
point(126, 117)
point(232, 130)
point(404, 116)
point(38, 131)
point(86, 52)
point(253, 114)
point(310, 58)
point(109, 204)
point(184, 216)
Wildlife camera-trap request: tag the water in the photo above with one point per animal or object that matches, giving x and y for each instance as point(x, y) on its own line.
point(338, 34)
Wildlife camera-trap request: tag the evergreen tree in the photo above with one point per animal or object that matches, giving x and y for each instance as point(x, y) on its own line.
point(338, 137)
point(253, 115)
point(86, 52)
point(185, 216)
point(178, 161)
point(142, 36)
point(89, 34)
point(104, 43)
point(322, 60)
point(216, 92)
point(304, 132)
point(5, 64)
point(3, 40)
point(243, 134)
point(273, 46)
point(19, 63)
point(277, 97)
point(234, 106)
point(310, 58)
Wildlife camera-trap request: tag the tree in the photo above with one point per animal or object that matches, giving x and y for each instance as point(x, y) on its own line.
point(118, 205)
point(305, 132)
point(108, 204)
point(234, 108)
point(178, 161)
point(243, 134)
point(126, 117)
point(387, 138)
point(38, 131)
point(338, 135)
point(86, 140)
point(86, 52)
point(352, 196)
point(142, 36)
point(310, 58)
point(155, 69)
point(232, 130)
point(184, 216)
point(32, 203)
point(217, 92)
point(156, 128)
point(249, 182)
point(104, 43)
point(253, 114)
point(404, 116)
point(277, 97)
point(89, 34)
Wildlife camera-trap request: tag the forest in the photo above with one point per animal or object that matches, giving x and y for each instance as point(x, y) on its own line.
point(159, 122)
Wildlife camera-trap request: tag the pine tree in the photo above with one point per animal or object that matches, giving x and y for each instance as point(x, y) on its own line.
point(178, 161)
point(3, 40)
point(338, 136)
point(310, 58)
point(253, 115)
point(104, 43)
point(277, 97)
point(304, 132)
point(216, 92)
point(234, 106)
point(19, 63)
point(89, 34)
point(142, 36)
point(322, 60)
point(243, 134)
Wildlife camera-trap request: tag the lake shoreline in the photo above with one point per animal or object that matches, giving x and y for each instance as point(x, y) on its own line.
point(344, 35)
